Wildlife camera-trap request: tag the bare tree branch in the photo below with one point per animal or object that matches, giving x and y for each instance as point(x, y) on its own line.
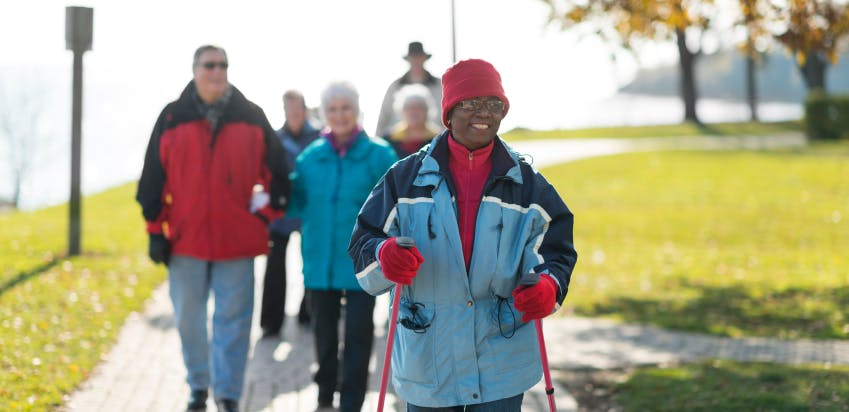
point(22, 127)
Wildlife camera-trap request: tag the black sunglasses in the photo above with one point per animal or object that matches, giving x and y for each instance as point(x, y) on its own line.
point(211, 65)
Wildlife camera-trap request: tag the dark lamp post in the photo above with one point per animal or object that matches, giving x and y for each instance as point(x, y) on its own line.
point(78, 34)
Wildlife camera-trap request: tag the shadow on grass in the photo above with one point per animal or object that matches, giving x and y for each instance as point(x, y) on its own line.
point(24, 276)
point(163, 322)
point(741, 311)
point(708, 129)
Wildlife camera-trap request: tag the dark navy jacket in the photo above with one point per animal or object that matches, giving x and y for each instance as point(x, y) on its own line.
point(293, 147)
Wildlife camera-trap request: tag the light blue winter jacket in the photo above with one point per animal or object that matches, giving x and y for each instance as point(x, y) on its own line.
point(459, 340)
point(327, 193)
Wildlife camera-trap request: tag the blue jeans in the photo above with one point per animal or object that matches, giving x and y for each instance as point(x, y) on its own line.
point(513, 404)
point(232, 284)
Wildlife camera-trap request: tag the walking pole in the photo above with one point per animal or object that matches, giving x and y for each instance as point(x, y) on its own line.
point(549, 388)
point(532, 278)
point(405, 242)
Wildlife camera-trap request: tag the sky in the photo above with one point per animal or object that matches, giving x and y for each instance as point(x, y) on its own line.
point(145, 48)
point(142, 53)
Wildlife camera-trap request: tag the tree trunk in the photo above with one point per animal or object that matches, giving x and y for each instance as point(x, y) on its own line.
point(16, 191)
point(813, 71)
point(686, 62)
point(751, 87)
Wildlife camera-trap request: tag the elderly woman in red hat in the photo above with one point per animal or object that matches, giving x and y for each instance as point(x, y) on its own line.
point(482, 219)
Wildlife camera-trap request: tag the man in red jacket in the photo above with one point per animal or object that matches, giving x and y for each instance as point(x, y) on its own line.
point(214, 175)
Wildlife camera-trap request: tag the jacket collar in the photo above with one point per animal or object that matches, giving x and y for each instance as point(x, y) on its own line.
point(429, 78)
point(359, 148)
point(187, 108)
point(306, 130)
point(505, 162)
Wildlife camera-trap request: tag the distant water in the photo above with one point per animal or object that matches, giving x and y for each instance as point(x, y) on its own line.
point(113, 149)
point(642, 110)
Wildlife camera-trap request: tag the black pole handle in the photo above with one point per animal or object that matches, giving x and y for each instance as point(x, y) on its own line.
point(529, 279)
point(405, 242)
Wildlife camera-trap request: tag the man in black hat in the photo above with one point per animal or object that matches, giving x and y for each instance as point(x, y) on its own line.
point(416, 57)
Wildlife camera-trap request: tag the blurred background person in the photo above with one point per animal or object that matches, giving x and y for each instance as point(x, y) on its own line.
point(416, 57)
point(207, 153)
point(415, 129)
point(332, 178)
point(297, 132)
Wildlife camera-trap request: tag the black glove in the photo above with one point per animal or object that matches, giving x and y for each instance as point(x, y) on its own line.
point(159, 249)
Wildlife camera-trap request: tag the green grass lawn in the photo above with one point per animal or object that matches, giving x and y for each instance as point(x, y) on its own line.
point(730, 386)
point(727, 243)
point(671, 130)
point(58, 316)
point(27, 248)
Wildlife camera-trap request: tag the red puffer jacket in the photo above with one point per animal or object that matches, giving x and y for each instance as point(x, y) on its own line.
point(196, 184)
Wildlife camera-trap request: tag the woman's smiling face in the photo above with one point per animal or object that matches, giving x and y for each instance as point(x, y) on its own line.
point(475, 122)
point(341, 114)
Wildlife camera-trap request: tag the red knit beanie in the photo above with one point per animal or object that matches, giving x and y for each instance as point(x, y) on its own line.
point(468, 79)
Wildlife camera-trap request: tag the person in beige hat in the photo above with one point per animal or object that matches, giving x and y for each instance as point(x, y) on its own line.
point(416, 57)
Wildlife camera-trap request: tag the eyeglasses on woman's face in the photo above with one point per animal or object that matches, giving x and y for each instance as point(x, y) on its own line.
point(213, 65)
point(492, 104)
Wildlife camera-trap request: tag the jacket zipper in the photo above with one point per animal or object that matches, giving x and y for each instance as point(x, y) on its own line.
point(209, 167)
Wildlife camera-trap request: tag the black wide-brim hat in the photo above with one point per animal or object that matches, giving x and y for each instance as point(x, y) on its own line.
point(416, 49)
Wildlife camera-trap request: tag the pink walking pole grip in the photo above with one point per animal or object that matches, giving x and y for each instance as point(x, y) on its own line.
point(549, 388)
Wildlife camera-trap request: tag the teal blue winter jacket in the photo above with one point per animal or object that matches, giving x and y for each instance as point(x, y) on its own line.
point(327, 193)
point(459, 339)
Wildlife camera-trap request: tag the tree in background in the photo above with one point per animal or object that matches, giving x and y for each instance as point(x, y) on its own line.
point(22, 130)
point(629, 23)
point(811, 30)
point(752, 16)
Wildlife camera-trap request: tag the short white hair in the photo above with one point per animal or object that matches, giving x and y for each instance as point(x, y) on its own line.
point(413, 93)
point(340, 89)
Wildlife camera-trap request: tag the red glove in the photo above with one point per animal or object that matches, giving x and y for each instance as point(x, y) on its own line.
point(399, 264)
point(536, 301)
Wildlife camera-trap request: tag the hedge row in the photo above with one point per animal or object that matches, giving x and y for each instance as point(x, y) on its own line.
point(827, 116)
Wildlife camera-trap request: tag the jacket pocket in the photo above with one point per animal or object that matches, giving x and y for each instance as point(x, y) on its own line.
point(413, 355)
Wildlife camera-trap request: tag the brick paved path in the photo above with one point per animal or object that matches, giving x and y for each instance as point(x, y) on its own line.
point(605, 344)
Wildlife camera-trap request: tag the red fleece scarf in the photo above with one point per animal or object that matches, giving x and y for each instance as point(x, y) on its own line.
point(469, 169)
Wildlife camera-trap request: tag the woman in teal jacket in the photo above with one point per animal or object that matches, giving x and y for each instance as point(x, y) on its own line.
point(333, 177)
